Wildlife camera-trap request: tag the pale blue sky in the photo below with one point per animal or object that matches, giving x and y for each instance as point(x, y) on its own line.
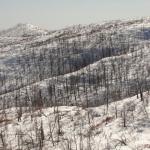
point(54, 14)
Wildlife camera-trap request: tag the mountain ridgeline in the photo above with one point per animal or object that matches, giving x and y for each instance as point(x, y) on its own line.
point(80, 65)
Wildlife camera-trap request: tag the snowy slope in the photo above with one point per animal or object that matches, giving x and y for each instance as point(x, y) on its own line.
point(92, 128)
point(80, 69)
point(21, 30)
point(82, 43)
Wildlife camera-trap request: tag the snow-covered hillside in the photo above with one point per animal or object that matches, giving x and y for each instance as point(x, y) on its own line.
point(75, 52)
point(124, 126)
point(22, 30)
point(84, 87)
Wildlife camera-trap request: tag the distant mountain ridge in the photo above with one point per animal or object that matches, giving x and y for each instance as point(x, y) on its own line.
point(21, 30)
point(26, 29)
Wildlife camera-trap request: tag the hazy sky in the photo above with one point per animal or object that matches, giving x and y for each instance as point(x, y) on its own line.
point(54, 14)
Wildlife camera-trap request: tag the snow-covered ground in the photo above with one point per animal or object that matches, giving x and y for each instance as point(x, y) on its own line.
point(29, 60)
point(124, 126)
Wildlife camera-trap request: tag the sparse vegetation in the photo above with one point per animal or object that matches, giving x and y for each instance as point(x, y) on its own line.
point(70, 89)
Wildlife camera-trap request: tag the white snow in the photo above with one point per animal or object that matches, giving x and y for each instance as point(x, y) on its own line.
point(104, 128)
